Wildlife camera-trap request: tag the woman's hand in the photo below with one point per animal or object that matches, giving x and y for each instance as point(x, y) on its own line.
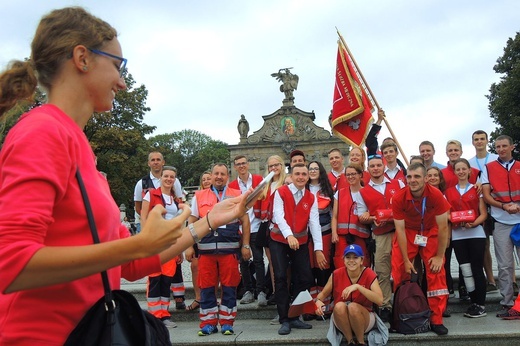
point(159, 234)
point(335, 237)
point(348, 291)
point(228, 210)
point(319, 307)
point(320, 259)
point(189, 254)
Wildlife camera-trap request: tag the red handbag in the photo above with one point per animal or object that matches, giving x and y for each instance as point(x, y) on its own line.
point(463, 216)
point(384, 215)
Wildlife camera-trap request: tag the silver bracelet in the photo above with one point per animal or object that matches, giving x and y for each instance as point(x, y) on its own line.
point(193, 233)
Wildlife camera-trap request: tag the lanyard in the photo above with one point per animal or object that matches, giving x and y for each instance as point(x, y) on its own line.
point(485, 162)
point(215, 191)
point(219, 199)
point(423, 210)
point(465, 189)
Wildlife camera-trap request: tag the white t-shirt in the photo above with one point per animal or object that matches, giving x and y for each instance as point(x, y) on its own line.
point(171, 207)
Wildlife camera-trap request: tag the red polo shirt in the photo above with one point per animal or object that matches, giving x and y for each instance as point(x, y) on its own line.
point(406, 208)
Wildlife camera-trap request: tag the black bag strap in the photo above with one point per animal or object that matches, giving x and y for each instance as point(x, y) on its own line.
point(93, 229)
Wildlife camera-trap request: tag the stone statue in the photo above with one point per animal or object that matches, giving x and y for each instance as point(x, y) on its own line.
point(289, 84)
point(243, 127)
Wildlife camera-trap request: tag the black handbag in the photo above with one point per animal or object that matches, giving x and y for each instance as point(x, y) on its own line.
point(116, 318)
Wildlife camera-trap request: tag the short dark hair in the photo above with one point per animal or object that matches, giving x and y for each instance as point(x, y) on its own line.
point(297, 153)
point(479, 132)
point(219, 164)
point(502, 137)
point(389, 144)
point(238, 157)
point(427, 143)
point(417, 165)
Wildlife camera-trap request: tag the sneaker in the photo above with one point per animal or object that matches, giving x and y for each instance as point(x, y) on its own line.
point(491, 287)
point(463, 294)
point(504, 312)
point(439, 329)
point(262, 299)
point(512, 314)
point(385, 314)
point(297, 324)
point(169, 324)
point(475, 311)
point(180, 306)
point(208, 330)
point(275, 320)
point(227, 329)
point(285, 329)
point(247, 298)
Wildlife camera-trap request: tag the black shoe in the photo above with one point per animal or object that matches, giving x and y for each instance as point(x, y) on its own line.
point(285, 329)
point(463, 294)
point(385, 314)
point(446, 313)
point(271, 300)
point(504, 312)
point(308, 317)
point(297, 324)
point(439, 329)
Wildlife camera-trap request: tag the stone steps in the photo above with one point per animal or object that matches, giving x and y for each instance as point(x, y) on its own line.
point(253, 327)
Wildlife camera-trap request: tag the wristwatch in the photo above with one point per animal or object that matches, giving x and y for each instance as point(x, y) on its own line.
point(246, 247)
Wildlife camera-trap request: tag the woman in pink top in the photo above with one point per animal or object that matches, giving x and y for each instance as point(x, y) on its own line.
point(49, 264)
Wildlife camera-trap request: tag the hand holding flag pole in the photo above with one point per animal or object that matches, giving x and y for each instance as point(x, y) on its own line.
point(370, 94)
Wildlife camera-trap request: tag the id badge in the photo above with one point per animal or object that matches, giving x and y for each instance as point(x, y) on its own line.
point(420, 240)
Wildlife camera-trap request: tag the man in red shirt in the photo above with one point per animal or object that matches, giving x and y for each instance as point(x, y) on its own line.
point(421, 222)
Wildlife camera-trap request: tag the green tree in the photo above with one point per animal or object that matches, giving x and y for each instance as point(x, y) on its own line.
point(504, 96)
point(12, 116)
point(191, 152)
point(118, 140)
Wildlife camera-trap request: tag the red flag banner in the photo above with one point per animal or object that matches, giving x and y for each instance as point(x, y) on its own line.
point(302, 304)
point(351, 108)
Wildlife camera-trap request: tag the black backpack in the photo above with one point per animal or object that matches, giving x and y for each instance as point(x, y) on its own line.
point(410, 309)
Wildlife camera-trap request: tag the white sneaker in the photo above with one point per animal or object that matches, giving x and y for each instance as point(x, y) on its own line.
point(169, 324)
point(248, 298)
point(262, 299)
point(275, 321)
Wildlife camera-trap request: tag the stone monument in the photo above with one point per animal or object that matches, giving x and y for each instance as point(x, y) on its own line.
point(284, 130)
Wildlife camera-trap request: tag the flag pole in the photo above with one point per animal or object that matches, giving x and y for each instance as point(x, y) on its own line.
point(371, 95)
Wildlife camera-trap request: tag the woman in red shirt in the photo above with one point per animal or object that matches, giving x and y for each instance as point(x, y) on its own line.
point(48, 261)
point(355, 290)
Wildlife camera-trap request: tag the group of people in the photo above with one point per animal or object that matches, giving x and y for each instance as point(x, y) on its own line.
point(371, 219)
point(316, 229)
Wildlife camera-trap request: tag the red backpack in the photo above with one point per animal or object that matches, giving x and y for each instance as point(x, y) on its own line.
point(410, 309)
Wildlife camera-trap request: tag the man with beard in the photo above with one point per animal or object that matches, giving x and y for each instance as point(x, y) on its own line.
point(421, 220)
point(218, 256)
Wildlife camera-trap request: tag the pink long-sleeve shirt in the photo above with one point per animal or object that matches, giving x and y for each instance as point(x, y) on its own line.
point(41, 205)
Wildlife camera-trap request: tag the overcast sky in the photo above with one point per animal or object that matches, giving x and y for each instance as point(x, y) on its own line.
point(429, 63)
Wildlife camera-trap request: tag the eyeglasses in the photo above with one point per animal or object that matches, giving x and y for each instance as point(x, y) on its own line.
point(374, 157)
point(274, 165)
point(240, 164)
point(122, 66)
point(311, 169)
point(349, 175)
